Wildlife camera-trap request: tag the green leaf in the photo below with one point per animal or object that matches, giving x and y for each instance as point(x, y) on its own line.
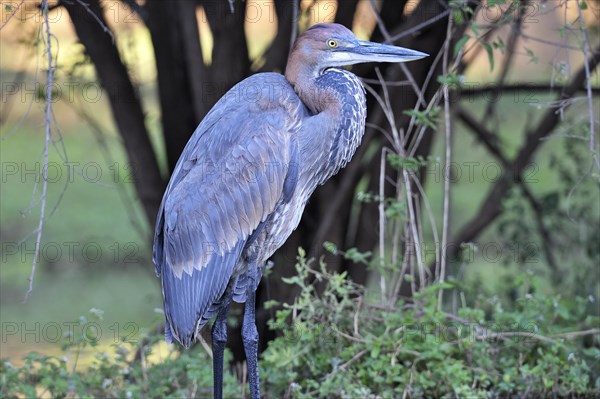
point(424, 118)
point(330, 247)
point(533, 58)
point(458, 17)
point(490, 52)
point(460, 44)
point(452, 80)
point(270, 304)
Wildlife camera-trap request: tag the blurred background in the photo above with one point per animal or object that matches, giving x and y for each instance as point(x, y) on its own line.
point(120, 118)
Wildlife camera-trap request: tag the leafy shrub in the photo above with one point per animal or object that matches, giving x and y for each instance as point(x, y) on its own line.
point(335, 344)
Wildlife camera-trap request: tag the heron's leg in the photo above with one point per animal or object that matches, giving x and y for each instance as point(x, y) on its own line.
point(219, 340)
point(250, 334)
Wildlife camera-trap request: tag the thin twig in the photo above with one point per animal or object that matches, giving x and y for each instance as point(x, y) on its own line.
point(205, 346)
point(511, 334)
point(548, 42)
point(413, 228)
point(388, 39)
point(588, 84)
point(390, 113)
point(396, 245)
point(381, 209)
point(48, 137)
point(418, 27)
point(387, 83)
point(429, 210)
point(349, 337)
point(507, 62)
point(448, 161)
point(345, 365)
point(357, 314)
point(577, 334)
point(93, 14)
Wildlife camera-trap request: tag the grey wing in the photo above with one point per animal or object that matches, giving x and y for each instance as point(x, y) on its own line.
point(228, 180)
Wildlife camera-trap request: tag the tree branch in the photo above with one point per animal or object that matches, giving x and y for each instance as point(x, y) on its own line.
point(230, 62)
point(345, 12)
point(489, 140)
point(47, 139)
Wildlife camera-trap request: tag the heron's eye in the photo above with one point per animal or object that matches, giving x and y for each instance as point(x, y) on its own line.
point(332, 43)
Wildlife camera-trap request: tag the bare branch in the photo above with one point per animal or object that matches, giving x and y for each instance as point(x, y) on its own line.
point(48, 138)
point(588, 84)
point(105, 28)
point(510, 53)
point(417, 28)
point(549, 42)
point(577, 334)
point(524, 87)
point(489, 140)
point(448, 161)
point(382, 219)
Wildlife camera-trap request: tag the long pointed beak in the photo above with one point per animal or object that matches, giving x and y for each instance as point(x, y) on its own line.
point(376, 52)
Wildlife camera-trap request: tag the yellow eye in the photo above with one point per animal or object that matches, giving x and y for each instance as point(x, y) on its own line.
point(332, 43)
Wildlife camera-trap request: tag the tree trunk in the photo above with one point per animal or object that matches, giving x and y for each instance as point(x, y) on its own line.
point(277, 54)
point(230, 63)
point(181, 71)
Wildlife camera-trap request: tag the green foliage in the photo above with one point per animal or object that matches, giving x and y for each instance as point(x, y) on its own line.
point(569, 212)
point(335, 345)
point(490, 52)
point(427, 118)
point(460, 44)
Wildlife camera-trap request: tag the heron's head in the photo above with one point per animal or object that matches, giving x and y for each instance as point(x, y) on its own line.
point(326, 46)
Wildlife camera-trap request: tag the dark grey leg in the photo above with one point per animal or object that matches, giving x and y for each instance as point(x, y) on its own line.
point(219, 340)
point(250, 335)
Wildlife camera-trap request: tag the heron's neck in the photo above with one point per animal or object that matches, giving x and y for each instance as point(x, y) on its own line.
point(338, 102)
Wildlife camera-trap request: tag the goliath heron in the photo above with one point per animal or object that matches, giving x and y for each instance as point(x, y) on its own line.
point(243, 180)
